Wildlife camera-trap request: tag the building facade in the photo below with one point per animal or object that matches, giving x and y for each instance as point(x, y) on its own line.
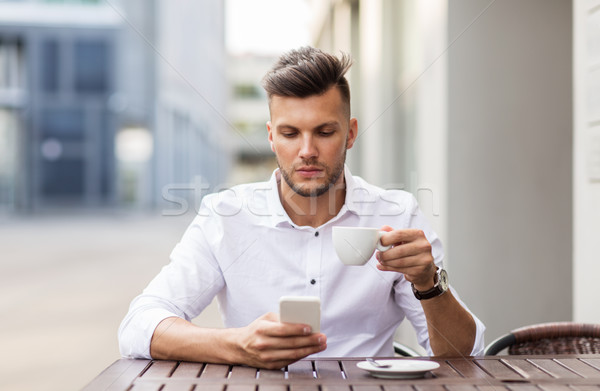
point(467, 104)
point(75, 76)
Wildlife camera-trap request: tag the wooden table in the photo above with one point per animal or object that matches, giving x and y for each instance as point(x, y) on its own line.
point(497, 373)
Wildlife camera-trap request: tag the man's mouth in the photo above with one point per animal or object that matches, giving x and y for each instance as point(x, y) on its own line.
point(309, 171)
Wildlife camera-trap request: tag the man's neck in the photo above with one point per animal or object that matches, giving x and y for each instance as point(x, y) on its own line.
point(312, 211)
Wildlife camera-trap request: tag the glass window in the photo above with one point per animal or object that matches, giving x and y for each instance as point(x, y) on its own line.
point(63, 124)
point(8, 156)
point(247, 91)
point(49, 68)
point(11, 64)
point(63, 177)
point(91, 66)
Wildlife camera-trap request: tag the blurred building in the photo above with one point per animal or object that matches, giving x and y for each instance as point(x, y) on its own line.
point(248, 111)
point(468, 105)
point(110, 102)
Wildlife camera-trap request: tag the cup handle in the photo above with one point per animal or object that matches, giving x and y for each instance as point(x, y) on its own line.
point(380, 246)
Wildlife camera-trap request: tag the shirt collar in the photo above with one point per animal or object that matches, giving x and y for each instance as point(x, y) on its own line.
point(276, 211)
point(352, 203)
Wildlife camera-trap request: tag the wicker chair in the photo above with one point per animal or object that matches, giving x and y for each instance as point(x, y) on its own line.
point(549, 338)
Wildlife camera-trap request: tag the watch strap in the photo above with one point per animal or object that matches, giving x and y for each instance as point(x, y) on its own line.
point(428, 294)
point(436, 291)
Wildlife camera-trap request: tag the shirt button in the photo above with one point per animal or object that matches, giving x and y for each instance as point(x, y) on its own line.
point(313, 281)
point(317, 233)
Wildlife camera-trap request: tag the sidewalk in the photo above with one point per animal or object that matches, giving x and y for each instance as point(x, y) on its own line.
point(66, 283)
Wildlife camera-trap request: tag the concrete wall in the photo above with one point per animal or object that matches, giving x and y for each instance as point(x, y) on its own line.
point(586, 162)
point(509, 159)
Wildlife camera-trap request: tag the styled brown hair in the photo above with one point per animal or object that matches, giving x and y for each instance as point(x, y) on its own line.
point(308, 71)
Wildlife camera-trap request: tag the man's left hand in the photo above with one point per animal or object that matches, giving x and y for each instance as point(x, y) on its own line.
point(410, 255)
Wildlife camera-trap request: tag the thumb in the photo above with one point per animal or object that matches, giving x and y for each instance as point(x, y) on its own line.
point(270, 316)
point(386, 228)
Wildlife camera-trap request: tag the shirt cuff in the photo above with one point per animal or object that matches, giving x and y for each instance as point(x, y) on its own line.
point(479, 345)
point(136, 336)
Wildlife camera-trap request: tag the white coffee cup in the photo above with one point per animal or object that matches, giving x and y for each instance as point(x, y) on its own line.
point(356, 245)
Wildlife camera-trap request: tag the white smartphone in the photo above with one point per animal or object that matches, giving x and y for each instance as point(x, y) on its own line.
point(301, 309)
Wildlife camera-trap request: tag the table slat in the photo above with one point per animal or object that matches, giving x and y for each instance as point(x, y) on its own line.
point(302, 369)
point(585, 388)
point(242, 372)
point(555, 387)
point(335, 387)
point(328, 369)
point(522, 387)
point(160, 369)
point(499, 370)
point(238, 387)
point(366, 387)
point(195, 387)
point(467, 368)
point(445, 370)
point(398, 387)
point(461, 387)
point(429, 387)
point(352, 371)
point(595, 362)
point(215, 371)
point(268, 387)
point(117, 376)
point(304, 387)
point(580, 367)
point(532, 371)
point(271, 374)
point(555, 369)
point(188, 369)
point(147, 386)
point(180, 387)
point(491, 388)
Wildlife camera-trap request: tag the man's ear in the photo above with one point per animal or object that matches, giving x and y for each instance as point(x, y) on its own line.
point(270, 130)
point(352, 133)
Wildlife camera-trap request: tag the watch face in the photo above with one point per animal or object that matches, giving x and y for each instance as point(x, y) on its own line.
point(443, 279)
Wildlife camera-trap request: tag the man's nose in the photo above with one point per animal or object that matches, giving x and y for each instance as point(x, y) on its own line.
point(308, 149)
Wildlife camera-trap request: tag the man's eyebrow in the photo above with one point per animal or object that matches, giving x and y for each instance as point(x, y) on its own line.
point(333, 124)
point(286, 126)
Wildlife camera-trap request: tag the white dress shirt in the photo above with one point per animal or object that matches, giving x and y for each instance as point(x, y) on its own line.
point(244, 249)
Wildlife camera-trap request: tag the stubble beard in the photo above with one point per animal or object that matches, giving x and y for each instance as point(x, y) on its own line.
point(332, 175)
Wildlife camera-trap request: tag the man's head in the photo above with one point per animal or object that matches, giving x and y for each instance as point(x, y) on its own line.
point(308, 71)
point(310, 127)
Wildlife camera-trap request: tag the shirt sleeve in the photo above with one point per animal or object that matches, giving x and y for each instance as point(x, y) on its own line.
point(183, 288)
point(412, 307)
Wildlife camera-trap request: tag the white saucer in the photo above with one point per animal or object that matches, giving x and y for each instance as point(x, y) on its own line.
point(399, 368)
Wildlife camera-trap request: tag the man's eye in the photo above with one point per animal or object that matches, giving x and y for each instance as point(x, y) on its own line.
point(326, 133)
point(288, 134)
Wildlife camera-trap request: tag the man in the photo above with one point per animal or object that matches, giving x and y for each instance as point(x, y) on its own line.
point(258, 242)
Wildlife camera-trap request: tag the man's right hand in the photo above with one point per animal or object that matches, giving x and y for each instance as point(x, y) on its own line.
point(264, 343)
point(267, 343)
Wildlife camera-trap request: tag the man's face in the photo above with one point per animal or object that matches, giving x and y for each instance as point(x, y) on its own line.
point(310, 137)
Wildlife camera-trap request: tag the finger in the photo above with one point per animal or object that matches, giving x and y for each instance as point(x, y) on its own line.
point(277, 329)
point(401, 236)
point(419, 247)
point(268, 343)
point(400, 267)
point(269, 325)
point(271, 316)
point(302, 342)
point(290, 355)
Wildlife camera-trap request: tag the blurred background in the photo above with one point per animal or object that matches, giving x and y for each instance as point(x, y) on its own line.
point(118, 116)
